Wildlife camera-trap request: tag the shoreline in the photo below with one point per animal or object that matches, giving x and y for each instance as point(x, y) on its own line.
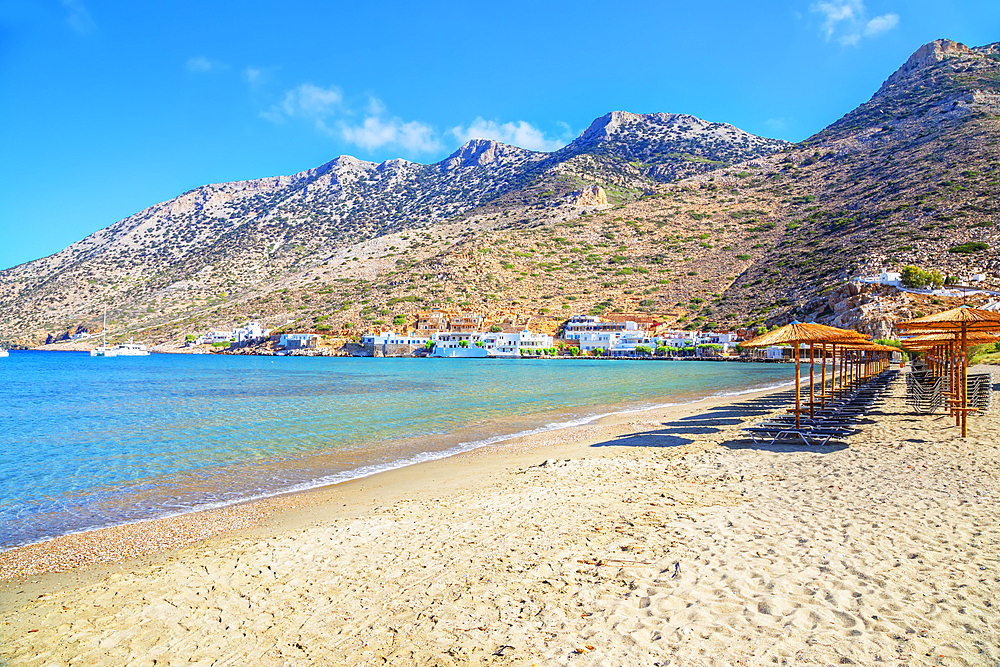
point(658, 536)
point(300, 353)
point(94, 546)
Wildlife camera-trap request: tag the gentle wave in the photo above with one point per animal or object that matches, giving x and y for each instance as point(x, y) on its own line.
point(365, 471)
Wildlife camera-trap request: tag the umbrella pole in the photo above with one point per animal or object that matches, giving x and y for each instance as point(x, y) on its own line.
point(812, 376)
point(796, 384)
point(843, 367)
point(965, 383)
point(822, 394)
point(956, 389)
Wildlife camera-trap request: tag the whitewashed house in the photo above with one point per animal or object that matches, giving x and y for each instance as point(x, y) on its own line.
point(218, 337)
point(249, 332)
point(580, 325)
point(298, 341)
point(884, 278)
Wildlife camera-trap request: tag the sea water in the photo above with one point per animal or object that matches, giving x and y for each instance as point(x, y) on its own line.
point(92, 442)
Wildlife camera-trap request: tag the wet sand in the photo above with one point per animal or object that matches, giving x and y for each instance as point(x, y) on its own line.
point(660, 537)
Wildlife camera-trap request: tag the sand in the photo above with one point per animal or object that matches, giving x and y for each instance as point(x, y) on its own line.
point(656, 538)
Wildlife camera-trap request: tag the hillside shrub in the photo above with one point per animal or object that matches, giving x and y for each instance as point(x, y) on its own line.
point(917, 278)
point(969, 247)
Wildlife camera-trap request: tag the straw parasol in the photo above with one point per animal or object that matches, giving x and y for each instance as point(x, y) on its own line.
point(795, 334)
point(959, 322)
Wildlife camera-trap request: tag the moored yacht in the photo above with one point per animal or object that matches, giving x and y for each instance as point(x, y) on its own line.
point(103, 350)
point(132, 349)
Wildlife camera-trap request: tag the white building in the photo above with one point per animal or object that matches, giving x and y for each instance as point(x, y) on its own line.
point(627, 343)
point(251, 331)
point(391, 338)
point(678, 338)
point(579, 325)
point(458, 344)
point(593, 340)
point(218, 337)
point(479, 345)
point(298, 341)
point(884, 278)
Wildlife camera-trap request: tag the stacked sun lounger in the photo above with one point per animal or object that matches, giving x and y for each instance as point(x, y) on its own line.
point(924, 391)
point(981, 391)
point(834, 422)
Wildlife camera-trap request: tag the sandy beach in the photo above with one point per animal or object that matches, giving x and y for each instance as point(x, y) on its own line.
point(654, 538)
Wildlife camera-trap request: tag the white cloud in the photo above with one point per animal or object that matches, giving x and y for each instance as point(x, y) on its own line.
point(881, 24)
point(836, 12)
point(847, 20)
point(306, 101)
point(521, 133)
point(375, 132)
point(78, 17)
point(253, 74)
point(776, 124)
point(203, 64)
point(370, 126)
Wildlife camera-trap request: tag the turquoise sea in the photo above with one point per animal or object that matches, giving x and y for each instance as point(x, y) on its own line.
point(91, 442)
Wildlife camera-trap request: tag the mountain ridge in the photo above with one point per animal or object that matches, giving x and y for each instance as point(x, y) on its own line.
point(478, 226)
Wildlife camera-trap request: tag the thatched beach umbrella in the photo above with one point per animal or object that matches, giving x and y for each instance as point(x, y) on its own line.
point(960, 322)
point(942, 353)
point(796, 334)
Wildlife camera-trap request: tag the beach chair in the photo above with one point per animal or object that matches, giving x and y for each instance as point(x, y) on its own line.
point(980, 392)
point(924, 392)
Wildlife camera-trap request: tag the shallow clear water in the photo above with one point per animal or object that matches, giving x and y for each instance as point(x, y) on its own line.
point(89, 442)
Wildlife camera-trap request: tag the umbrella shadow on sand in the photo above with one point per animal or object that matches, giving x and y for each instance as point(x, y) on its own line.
point(655, 438)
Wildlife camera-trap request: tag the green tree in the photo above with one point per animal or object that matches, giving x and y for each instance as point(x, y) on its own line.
point(644, 350)
point(463, 343)
point(597, 352)
point(495, 328)
point(662, 350)
point(575, 351)
point(190, 338)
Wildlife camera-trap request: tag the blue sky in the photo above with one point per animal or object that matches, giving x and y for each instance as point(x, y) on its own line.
point(109, 107)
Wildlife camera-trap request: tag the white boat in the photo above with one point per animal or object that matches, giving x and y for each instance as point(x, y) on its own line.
point(4, 353)
point(132, 349)
point(103, 350)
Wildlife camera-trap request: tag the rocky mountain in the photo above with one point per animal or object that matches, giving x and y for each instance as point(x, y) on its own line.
point(227, 238)
point(911, 177)
point(659, 215)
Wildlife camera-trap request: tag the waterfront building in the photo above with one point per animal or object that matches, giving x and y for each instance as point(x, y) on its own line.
point(218, 337)
point(479, 345)
point(249, 332)
point(459, 344)
point(579, 325)
point(298, 341)
point(429, 321)
point(392, 338)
